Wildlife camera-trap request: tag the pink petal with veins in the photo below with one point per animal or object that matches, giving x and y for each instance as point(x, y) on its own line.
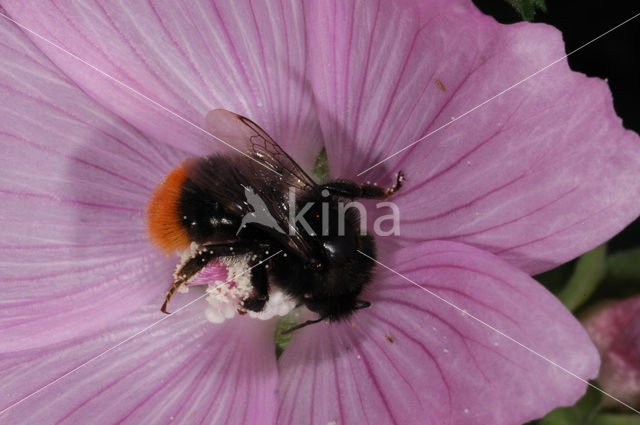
point(189, 57)
point(537, 175)
point(412, 358)
point(182, 371)
point(75, 180)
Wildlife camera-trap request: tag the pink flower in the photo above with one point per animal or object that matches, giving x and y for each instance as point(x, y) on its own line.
point(532, 179)
point(614, 327)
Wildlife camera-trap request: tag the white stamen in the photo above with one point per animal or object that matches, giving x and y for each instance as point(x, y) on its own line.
point(226, 297)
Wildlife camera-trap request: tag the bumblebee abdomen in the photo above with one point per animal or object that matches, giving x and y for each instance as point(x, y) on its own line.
point(204, 218)
point(164, 222)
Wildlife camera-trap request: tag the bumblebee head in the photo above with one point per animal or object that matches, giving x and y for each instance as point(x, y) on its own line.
point(335, 291)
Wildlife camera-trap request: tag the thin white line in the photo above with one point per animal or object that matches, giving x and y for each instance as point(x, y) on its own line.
point(126, 340)
point(466, 313)
point(497, 95)
point(135, 91)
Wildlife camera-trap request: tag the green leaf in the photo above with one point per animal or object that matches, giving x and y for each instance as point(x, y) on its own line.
point(588, 273)
point(527, 8)
point(540, 4)
point(624, 267)
point(321, 168)
point(614, 419)
point(580, 413)
point(561, 416)
point(622, 277)
point(284, 323)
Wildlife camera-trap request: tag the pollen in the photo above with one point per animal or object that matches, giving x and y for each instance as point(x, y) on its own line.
point(280, 304)
point(226, 297)
point(163, 219)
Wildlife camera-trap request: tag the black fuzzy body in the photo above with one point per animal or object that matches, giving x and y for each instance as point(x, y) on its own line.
point(328, 281)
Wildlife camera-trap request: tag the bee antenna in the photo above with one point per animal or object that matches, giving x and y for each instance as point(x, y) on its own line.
point(302, 325)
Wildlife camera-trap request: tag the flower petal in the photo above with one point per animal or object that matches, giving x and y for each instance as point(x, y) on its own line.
point(537, 175)
point(189, 57)
point(73, 187)
point(183, 370)
point(412, 358)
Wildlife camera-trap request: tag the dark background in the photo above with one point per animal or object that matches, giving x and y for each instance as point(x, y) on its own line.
point(616, 57)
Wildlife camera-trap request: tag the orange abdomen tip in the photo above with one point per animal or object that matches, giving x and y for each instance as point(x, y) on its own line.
point(163, 213)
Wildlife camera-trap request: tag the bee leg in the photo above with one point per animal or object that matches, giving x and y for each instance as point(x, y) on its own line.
point(178, 283)
point(260, 294)
point(352, 190)
point(198, 262)
point(302, 325)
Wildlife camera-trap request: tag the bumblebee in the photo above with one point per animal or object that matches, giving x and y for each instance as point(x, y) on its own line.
point(256, 202)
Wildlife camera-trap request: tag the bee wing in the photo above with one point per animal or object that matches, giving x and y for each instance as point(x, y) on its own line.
point(251, 140)
point(265, 168)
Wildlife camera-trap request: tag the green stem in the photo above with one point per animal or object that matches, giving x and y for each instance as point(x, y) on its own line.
point(589, 271)
point(616, 419)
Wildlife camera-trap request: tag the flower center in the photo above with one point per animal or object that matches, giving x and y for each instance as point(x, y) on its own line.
point(228, 283)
